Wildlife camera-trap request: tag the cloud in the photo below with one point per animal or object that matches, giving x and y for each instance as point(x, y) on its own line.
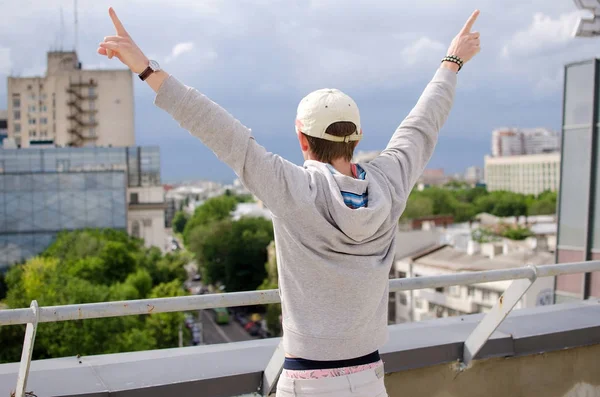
point(422, 48)
point(544, 34)
point(180, 49)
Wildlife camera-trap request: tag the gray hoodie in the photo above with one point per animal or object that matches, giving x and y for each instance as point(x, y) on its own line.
point(333, 261)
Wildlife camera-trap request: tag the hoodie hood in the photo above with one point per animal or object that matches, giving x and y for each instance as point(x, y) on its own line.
point(358, 224)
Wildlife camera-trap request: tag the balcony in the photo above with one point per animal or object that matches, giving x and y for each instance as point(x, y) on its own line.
point(545, 351)
point(147, 206)
point(86, 124)
point(80, 136)
point(90, 83)
point(77, 94)
point(79, 109)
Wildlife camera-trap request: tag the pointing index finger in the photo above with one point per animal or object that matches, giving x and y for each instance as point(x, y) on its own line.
point(470, 22)
point(118, 25)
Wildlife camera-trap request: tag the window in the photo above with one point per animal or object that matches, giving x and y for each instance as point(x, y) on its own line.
point(92, 119)
point(401, 275)
point(29, 87)
point(32, 97)
point(92, 91)
point(44, 133)
point(43, 108)
point(44, 96)
point(31, 121)
point(147, 222)
point(418, 303)
point(17, 128)
point(440, 290)
point(134, 198)
point(92, 131)
point(579, 94)
point(402, 298)
point(92, 105)
point(32, 132)
point(575, 183)
point(31, 108)
point(43, 120)
point(17, 114)
point(16, 101)
point(455, 290)
point(135, 229)
point(485, 295)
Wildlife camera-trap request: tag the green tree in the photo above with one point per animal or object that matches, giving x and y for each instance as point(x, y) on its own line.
point(273, 313)
point(164, 327)
point(233, 253)
point(418, 206)
point(94, 266)
point(213, 210)
point(544, 204)
point(179, 221)
point(518, 233)
point(510, 205)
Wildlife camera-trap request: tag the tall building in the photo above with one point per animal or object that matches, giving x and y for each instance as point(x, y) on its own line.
point(71, 106)
point(517, 142)
point(473, 174)
point(45, 191)
point(579, 198)
point(433, 177)
point(530, 174)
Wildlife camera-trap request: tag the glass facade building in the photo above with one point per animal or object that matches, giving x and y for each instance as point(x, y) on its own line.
point(45, 191)
point(579, 199)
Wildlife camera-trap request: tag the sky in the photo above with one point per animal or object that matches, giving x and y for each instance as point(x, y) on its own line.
point(258, 58)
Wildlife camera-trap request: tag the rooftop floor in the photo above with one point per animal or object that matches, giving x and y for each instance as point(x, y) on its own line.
point(552, 351)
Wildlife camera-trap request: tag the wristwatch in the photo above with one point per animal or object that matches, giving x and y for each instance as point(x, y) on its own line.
point(153, 66)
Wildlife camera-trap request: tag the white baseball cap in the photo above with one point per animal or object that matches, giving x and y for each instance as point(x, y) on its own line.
point(321, 108)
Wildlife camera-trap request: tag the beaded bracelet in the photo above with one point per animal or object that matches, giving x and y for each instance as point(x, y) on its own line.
point(454, 59)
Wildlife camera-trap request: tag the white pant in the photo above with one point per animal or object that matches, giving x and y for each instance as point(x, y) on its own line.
point(367, 383)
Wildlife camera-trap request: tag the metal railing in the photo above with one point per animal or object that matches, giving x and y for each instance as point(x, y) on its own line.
point(523, 278)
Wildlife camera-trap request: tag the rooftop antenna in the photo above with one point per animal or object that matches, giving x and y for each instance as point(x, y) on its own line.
point(76, 25)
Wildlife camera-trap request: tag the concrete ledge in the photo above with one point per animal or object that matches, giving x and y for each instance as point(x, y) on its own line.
point(417, 345)
point(236, 368)
point(554, 327)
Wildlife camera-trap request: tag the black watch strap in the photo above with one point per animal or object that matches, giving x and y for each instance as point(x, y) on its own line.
point(146, 73)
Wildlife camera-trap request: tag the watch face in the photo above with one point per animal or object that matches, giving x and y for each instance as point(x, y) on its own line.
point(154, 65)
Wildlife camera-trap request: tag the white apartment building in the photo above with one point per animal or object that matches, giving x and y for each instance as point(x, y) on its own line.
point(517, 142)
point(71, 106)
point(430, 303)
point(473, 174)
point(530, 174)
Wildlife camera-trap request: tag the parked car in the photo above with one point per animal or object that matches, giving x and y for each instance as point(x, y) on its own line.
point(221, 315)
point(252, 328)
point(197, 277)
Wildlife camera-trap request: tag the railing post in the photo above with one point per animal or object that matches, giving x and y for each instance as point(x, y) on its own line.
point(273, 370)
point(494, 318)
point(27, 351)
